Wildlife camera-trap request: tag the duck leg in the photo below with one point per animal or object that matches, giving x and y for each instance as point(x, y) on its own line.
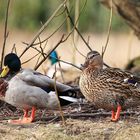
point(25, 118)
point(116, 116)
point(25, 113)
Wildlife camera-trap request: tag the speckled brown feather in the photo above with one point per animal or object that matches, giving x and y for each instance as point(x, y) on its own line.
point(108, 87)
point(3, 87)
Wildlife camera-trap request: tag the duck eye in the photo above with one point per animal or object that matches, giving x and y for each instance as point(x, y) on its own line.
point(91, 56)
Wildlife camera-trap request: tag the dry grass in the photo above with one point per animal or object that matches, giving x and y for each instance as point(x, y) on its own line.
point(101, 129)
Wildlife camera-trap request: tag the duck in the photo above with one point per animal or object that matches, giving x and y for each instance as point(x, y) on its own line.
point(30, 90)
point(110, 88)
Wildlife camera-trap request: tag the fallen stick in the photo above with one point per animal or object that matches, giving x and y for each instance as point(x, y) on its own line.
point(81, 115)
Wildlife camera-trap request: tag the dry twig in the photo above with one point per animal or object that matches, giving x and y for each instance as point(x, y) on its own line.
point(30, 59)
point(14, 49)
point(5, 33)
point(43, 28)
point(34, 44)
point(109, 29)
point(82, 115)
point(59, 42)
point(41, 54)
point(62, 76)
point(62, 40)
point(77, 29)
point(60, 109)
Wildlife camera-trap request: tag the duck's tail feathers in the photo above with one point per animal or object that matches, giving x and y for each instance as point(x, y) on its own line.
point(66, 100)
point(69, 99)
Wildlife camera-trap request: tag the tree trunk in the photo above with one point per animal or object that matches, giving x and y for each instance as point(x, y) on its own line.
point(129, 10)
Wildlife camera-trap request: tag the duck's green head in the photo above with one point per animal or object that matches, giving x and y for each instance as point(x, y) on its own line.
point(53, 57)
point(12, 63)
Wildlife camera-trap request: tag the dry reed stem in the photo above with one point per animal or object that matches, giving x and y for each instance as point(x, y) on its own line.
point(62, 76)
point(77, 30)
point(60, 109)
point(109, 29)
point(5, 33)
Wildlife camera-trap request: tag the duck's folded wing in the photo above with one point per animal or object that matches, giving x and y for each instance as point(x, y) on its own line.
point(34, 78)
point(122, 82)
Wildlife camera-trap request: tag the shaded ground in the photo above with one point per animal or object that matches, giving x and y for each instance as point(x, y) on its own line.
point(83, 122)
point(75, 129)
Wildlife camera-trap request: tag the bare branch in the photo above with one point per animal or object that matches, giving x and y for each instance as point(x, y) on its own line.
point(5, 33)
point(78, 115)
point(61, 71)
point(77, 29)
point(43, 27)
point(59, 105)
point(30, 59)
point(14, 48)
point(41, 54)
point(48, 36)
point(109, 29)
point(78, 50)
point(46, 56)
point(69, 64)
point(58, 59)
point(60, 41)
point(40, 45)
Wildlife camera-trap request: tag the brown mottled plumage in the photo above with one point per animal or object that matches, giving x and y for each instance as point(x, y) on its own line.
point(109, 88)
point(3, 87)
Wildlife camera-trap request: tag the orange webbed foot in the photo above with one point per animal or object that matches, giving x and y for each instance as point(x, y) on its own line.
point(25, 118)
point(116, 116)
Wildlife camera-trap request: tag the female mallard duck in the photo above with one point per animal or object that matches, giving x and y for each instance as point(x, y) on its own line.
point(29, 89)
point(109, 88)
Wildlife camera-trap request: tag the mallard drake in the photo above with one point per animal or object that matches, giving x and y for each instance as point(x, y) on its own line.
point(109, 88)
point(28, 89)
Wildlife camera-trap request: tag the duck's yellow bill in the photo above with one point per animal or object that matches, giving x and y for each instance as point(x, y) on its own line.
point(4, 71)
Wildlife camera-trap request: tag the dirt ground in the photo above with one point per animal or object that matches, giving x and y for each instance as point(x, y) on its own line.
point(121, 48)
point(82, 122)
point(128, 128)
